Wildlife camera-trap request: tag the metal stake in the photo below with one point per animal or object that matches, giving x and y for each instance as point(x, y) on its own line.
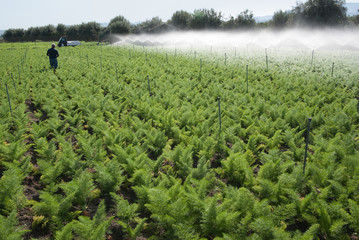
point(306, 145)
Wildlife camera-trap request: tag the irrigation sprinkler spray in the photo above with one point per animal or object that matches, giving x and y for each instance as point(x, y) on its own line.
point(225, 58)
point(332, 69)
point(306, 145)
point(8, 98)
point(200, 65)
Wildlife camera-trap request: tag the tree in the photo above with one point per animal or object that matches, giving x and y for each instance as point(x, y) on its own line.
point(34, 33)
point(14, 35)
point(181, 19)
point(320, 13)
point(245, 19)
point(206, 19)
point(89, 31)
point(149, 24)
point(60, 29)
point(229, 24)
point(280, 19)
point(356, 18)
point(119, 25)
point(72, 32)
point(47, 33)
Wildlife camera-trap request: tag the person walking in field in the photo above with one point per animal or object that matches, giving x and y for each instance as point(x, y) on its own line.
point(53, 55)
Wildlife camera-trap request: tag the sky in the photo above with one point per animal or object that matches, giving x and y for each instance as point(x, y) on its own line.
point(26, 13)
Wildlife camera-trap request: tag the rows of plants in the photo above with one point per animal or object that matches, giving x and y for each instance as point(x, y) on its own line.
point(128, 143)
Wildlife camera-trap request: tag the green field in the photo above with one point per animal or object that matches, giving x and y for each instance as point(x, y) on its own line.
point(125, 142)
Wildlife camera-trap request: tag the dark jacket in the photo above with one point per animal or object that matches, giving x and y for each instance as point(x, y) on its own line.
point(52, 53)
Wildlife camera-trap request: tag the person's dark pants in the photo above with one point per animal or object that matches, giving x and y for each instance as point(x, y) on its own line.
point(53, 63)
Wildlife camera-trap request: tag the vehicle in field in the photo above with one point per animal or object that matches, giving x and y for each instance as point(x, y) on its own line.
point(64, 43)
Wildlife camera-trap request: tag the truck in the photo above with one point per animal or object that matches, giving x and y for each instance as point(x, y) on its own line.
point(64, 43)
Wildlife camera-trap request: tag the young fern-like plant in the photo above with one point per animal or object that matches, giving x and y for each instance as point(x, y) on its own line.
point(65, 233)
point(209, 219)
point(354, 211)
point(95, 229)
point(11, 190)
point(125, 211)
point(13, 151)
point(9, 228)
point(81, 187)
point(202, 168)
point(183, 160)
point(237, 170)
point(109, 176)
point(133, 233)
point(55, 209)
point(45, 149)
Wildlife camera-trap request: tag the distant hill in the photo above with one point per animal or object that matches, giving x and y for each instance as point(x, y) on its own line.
point(352, 8)
point(263, 18)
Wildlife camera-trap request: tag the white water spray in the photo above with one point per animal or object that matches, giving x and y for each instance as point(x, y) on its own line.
point(304, 39)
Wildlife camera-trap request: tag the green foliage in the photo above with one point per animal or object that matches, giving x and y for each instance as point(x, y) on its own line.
point(94, 229)
point(109, 176)
point(181, 19)
point(9, 229)
point(11, 190)
point(125, 211)
point(65, 233)
point(158, 164)
point(354, 210)
point(237, 170)
point(205, 19)
point(133, 233)
point(80, 187)
point(55, 209)
point(119, 25)
point(318, 12)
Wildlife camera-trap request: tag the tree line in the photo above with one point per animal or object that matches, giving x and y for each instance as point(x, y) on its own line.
point(313, 13)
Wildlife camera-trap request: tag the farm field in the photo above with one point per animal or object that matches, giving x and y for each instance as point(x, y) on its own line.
point(132, 142)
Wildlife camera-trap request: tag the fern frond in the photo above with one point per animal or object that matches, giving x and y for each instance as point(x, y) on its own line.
point(9, 228)
point(65, 233)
